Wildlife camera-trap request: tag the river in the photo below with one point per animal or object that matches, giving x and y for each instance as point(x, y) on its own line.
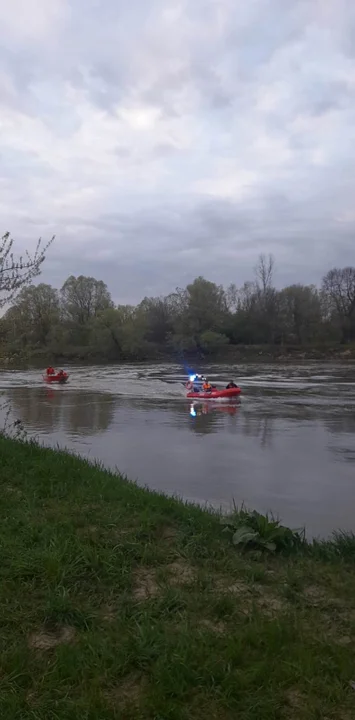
point(288, 445)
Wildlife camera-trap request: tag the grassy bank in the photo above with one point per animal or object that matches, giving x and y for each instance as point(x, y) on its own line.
point(120, 603)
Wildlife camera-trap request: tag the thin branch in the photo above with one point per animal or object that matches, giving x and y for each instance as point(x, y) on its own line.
point(15, 274)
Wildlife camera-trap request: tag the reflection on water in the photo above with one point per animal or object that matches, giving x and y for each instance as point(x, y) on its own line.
point(49, 410)
point(205, 415)
point(341, 424)
point(259, 427)
point(287, 445)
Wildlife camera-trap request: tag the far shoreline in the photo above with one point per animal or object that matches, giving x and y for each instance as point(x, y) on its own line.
point(243, 354)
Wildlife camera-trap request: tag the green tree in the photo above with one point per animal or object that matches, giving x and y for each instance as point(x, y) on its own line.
point(120, 333)
point(300, 314)
point(40, 304)
point(33, 317)
point(202, 308)
point(158, 317)
point(211, 341)
point(83, 298)
point(109, 329)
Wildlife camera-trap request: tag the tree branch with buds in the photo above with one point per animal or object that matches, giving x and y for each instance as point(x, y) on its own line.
point(17, 273)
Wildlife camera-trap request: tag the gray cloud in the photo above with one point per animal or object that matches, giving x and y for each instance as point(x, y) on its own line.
point(168, 139)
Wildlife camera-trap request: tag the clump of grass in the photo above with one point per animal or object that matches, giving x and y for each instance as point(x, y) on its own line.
point(254, 530)
point(340, 545)
point(13, 429)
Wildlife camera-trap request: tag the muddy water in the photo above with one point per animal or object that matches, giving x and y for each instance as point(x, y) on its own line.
point(288, 445)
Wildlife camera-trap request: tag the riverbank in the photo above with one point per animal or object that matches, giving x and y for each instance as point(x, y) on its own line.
point(288, 353)
point(117, 602)
point(229, 354)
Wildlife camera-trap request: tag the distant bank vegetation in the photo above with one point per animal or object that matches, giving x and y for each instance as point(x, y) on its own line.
point(80, 321)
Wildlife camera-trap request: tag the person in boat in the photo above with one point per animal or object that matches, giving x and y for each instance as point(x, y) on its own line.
point(50, 370)
point(206, 387)
point(61, 374)
point(231, 385)
point(197, 383)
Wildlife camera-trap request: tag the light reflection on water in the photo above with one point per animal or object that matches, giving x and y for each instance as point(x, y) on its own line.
point(287, 445)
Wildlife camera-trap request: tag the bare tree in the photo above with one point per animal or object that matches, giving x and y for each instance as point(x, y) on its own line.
point(232, 297)
point(267, 296)
point(16, 274)
point(264, 272)
point(339, 286)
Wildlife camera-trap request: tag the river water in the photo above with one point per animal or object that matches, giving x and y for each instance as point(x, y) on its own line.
point(288, 445)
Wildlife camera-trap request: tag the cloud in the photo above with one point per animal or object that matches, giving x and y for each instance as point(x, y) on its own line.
point(164, 140)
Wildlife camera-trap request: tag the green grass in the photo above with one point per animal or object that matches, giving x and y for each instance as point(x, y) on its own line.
point(116, 602)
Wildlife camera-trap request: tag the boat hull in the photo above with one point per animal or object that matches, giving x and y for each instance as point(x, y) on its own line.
point(215, 394)
point(59, 379)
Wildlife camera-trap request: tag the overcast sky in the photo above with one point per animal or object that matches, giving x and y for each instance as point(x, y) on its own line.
point(164, 139)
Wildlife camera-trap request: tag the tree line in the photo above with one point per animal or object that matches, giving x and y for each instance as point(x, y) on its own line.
point(81, 321)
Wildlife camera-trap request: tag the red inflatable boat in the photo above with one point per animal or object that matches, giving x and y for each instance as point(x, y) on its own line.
point(215, 394)
point(57, 378)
